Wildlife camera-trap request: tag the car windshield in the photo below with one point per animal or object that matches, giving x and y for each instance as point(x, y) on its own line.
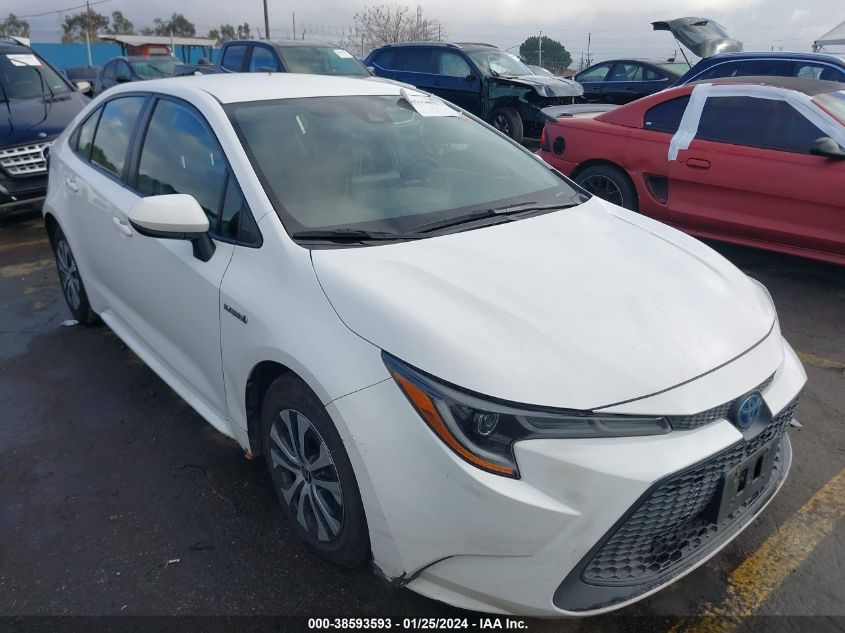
point(499, 63)
point(675, 68)
point(537, 70)
point(373, 163)
point(26, 76)
point(833, 102)
point(321, 60)
point(153, 68)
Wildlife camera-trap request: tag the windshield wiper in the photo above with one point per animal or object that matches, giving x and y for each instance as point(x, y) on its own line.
point(497, 212)
point(352, 235)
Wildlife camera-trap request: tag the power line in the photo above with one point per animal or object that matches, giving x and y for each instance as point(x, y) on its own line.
point(81, 6)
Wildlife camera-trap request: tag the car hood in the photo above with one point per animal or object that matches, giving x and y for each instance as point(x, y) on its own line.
point(25, 120)
point(702, 36)
point(546, 86)
point(580, 308)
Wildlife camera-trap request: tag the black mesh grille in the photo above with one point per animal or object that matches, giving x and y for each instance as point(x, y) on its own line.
point(686, 422)
point(671, 524)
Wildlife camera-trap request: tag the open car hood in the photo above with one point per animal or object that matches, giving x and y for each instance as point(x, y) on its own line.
point(702, 36)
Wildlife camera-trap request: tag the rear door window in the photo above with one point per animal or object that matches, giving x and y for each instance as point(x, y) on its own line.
point(85, 134)
point(233, 58)
point(386, 59)
point(812, 70)
point(111, 141)
point(626, 71)
point(415, 59)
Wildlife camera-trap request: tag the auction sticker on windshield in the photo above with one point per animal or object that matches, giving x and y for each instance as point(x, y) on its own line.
point(342, 53)
point(427, 105)
point(23, 59)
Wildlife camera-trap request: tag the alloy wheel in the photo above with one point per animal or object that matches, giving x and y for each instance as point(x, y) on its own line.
point(306, 475)
point(603, 187)
point(68, 274)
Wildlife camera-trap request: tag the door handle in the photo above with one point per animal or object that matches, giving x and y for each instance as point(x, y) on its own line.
point(698, 163)
point(122, 227)
point(70, 183)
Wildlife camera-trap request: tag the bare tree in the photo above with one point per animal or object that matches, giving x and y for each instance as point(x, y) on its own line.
point(389, 24)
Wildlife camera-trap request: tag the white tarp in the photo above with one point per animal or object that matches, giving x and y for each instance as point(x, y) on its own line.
point(834, 37)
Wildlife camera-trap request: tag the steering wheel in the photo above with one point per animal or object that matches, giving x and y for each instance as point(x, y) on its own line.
point(414, 169)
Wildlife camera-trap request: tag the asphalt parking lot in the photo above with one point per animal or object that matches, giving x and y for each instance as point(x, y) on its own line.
point(117, 499)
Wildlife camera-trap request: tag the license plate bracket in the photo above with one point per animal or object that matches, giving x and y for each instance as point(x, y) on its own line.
point(743, 482)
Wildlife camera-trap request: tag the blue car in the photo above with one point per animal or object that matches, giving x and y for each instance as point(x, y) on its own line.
point(767, 64)
point(36, 103)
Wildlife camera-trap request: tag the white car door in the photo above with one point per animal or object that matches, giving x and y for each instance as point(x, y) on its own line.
point(173, 298)
point(94, 195)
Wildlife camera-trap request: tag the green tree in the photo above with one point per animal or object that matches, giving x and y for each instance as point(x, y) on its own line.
point(178, 26)
point(77, 25)
point(120, 25)
point(227, 32)
point(244, 32)
point(13, 25)
point(555, 56)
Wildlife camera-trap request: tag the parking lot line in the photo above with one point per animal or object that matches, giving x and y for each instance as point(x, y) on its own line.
point(24, 269)
point(820, 361)
point(8, 247)
point(759, 575)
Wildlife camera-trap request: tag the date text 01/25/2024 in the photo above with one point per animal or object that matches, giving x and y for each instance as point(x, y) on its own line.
point(482, 623)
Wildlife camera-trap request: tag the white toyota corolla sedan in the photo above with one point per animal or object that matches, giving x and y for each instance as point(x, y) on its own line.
point(507, 394)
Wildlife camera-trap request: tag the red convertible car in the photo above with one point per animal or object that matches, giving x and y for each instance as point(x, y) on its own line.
point(757, 161)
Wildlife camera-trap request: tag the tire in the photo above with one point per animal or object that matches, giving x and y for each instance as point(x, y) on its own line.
point(508, 122)
point(71, 280)
point(318, 494)
point(609, 183)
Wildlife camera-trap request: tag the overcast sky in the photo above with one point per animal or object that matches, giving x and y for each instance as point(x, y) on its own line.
point(618, 27)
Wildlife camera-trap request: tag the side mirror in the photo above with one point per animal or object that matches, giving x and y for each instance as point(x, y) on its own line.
point(175, 216)
point(470, 78)
point(372, 70)
point(827, 147)
point(84, 87)
point(122, 79)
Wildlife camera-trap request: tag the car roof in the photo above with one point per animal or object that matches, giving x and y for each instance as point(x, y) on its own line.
point(461, 45)
point(246, 87)
point(286, 43)
point(776, 55)
point(810, 87)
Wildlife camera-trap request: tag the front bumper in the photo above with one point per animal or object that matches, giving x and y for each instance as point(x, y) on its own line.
point(475, 540)
point(21, 192)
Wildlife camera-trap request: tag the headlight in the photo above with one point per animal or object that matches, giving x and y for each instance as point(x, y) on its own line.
point(483, 432)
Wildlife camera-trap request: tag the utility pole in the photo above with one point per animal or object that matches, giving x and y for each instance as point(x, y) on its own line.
point(540, 50)
point(589, 41)
point(266, 22)
point(293, 17)
point(88, 31)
